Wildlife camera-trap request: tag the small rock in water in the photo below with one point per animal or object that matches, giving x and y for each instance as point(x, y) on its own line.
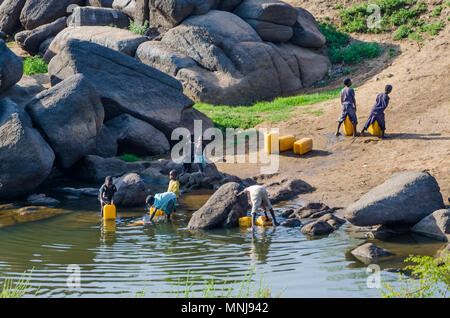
point(287, 213)
point(291, 223)
point(317, 228)
point(333, 220)
point(42, 199)
point(370, 251)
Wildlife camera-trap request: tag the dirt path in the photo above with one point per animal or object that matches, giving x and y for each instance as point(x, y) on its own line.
point(417, 120)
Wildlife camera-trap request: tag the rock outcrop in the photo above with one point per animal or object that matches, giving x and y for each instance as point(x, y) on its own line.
point(24, 91)
point(26, 159)
point(93, 16)
point(223, 209)
point(131, 191)
point(435, 225)
point(70, 115)
point(11, 67)
point(404, 198)
point(124, 84)
point(9, 15)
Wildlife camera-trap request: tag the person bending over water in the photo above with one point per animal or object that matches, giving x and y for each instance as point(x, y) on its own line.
point(377, 112)
point(165, 202)
point(259, 198)
point(106, 193)
point(348, 102)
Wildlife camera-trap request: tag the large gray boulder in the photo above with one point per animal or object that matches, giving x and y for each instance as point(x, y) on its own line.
point(100, 3)
point(106, 143)
point(117, 39)
point(220, 59)
point(125, 85)
point(95, 168)
point(138, 10)
point(404, 198)
point(9, 15)
point(272, 11)
point(131, 191)
point(435, 225)
point(169, 13)
point(93, 16)
point(286, 188)
point(223, 209)
point(24, 91)
point(306, 31)
point(11, 67)
point(70, 115)
point(270, 31)
point(228, 5)
point(30, 40)
point(26, 160)
point(137, 137)
point(39, 12)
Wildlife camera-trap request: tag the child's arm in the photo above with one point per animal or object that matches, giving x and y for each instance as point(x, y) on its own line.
point(154, 212)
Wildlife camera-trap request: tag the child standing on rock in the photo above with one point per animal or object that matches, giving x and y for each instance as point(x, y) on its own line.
point(106, 193)
point(348, 102)
point(174, 184)
point(259, 198)
point(377, 112)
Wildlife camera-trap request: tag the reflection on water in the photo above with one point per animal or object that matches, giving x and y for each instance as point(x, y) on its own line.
point(118, 259)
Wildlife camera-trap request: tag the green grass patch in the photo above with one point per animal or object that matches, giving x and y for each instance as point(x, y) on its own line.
point(138, 28)
point(127, 157)
point(279, 109)
point(433, 28)
point(402, 32)
point(341, 51)
point(437, 11)
point(34, 65)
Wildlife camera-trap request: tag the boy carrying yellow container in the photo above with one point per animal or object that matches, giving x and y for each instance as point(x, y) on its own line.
point(377, 113)
point(348, 102)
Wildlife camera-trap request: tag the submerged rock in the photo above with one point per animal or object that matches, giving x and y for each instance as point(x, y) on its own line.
point(317, 228)
point(42, 199)
point(435, 225)
point(291, 223)
point(223, 209)
point(369, 251)
point(404, 198)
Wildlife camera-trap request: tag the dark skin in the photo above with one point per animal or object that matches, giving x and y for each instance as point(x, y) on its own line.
point(103, 201)
point(354, 126)
point(263, 207)
point(383, 136)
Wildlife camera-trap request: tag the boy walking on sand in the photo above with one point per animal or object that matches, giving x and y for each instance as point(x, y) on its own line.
point(377, 112)
point(106, 193)
point(259, 198)
point(348, 102)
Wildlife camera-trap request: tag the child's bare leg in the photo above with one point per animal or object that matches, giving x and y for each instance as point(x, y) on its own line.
point(338, 127)
point(274, 220)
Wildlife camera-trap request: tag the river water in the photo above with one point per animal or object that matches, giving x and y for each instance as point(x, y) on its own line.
point(119, 260)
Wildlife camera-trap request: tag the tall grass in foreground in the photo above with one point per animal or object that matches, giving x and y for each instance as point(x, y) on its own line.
point(12, 289)
point(245, 288)
point(246, 117)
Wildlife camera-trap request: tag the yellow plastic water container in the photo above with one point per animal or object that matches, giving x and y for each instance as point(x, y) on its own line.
point(109, 212)
point(348, 127)
point(271, 142)
point(287, 142)
point(158, 212)
point(263, 221)
point(245, 221)
point(375, 129)
point(303, 146)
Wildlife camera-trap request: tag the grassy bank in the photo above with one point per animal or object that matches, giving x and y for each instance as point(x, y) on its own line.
point(279, 109)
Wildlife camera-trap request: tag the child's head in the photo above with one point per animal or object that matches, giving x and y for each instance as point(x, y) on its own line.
point(348, 82)
point(149, 200)
point(173, 175)
point(388, 89)
point(109, 181)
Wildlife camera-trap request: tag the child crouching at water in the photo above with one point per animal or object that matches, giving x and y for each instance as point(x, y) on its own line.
point(165, 202)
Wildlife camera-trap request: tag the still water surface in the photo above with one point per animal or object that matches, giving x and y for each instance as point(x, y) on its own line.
point(117, 260)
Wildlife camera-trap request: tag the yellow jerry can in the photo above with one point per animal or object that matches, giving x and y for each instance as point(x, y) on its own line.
point(287, 143)
point(348, 127)
point(245, 221)
point(109, 212)
point(263, 221)
point(271, 143)
point(303, 146)
point(158, 212)
point(375, 129)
